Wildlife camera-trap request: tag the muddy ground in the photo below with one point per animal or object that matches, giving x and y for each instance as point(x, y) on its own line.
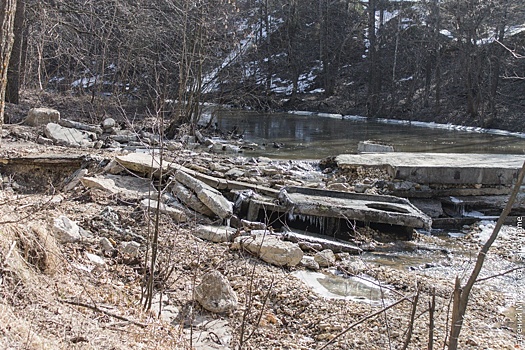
point(57, 295)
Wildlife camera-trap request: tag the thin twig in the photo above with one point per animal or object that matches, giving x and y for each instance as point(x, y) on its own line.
point(412, 320)
point(363, 320)
point(94, 308)
point(431, 311)
point(500, 274)
point(13, 245)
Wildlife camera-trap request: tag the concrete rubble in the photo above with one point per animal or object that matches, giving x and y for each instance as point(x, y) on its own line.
point(271, 249)
point(69, 137)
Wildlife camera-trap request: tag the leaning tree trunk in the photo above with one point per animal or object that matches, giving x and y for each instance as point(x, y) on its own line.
point(7, 20)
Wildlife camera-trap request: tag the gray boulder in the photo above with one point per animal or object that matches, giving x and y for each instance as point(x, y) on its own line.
point(325, 258)
point(215, 293)
point(42, 116)
point(272, 250)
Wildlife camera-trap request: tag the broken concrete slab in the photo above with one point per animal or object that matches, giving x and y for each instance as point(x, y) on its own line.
point(190, 199)
point(69, 137)
point(41, 116)
point(324, 209)
point(142, 163)
point(321, 241)
point(217, 234)
point(440, 168)
point(431, 207)
point(212, 198)
point(373, 146)
point(80, 126)
point(125, 186)
point(152, 205)
point(271, 249)
point(147, 164)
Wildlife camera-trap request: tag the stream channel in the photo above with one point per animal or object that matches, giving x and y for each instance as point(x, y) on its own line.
point(443, 255)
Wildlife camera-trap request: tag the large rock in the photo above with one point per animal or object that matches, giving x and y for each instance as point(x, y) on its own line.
point(69, 137)
point(325, 258)
point(42, 116)
point(212, 198)
point(215, 293)
point(190, 199)
point(176, 214)
point(217, 234)
point(272, 250)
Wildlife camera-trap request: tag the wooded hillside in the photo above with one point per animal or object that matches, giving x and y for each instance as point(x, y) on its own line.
point(451, 61)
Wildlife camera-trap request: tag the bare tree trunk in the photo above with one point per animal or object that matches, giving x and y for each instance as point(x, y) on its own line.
point(14, 69)
point(374, 73)
point(498, 52)
point(7, 22)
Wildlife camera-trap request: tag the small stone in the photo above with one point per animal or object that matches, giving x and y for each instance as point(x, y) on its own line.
point(106, 245)
point(65, 230)
point(95, 259)
point(310, 263)
point(108, 123)
point(131, 248)
point(472, 342)
point(342, 256)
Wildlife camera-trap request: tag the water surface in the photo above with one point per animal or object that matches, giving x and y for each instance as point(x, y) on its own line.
point(315, 137)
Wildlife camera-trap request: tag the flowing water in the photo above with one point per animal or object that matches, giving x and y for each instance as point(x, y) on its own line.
point(316, 137)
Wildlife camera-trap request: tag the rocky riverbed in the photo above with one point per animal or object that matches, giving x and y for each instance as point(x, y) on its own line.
point(75, 251)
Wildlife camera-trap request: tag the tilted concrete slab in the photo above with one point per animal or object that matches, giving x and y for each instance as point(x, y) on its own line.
point(319, 205)
point(440, 168)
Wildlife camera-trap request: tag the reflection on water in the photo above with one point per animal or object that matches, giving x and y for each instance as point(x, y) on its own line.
point(313, 137)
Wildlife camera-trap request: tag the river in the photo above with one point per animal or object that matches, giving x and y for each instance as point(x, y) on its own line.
point(316, 137)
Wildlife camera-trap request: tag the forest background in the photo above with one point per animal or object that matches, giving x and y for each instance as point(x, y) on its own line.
point(451, 61)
